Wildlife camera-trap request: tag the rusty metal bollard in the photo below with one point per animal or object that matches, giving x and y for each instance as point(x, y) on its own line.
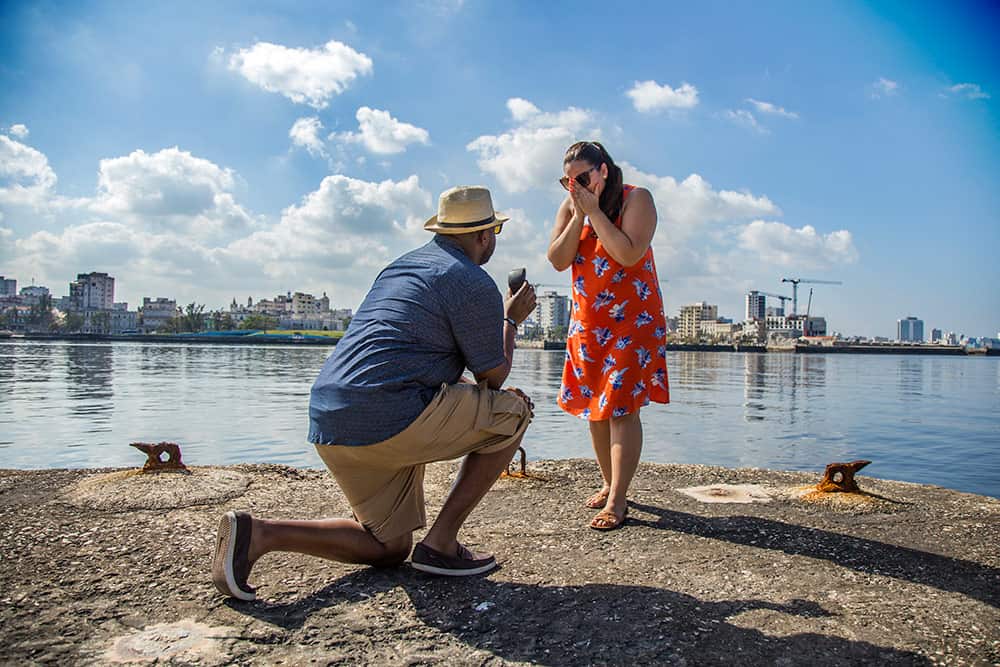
point(153, 452)
point(839, 477)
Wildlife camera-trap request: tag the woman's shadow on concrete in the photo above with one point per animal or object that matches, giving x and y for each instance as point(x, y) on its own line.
point(591, 623)
point(977, 581)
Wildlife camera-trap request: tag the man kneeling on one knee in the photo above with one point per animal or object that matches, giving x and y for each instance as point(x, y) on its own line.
point(391, 398)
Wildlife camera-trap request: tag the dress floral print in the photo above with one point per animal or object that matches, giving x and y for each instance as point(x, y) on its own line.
point(615, 346)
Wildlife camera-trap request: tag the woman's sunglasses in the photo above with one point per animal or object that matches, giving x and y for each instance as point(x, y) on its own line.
point(583, 178)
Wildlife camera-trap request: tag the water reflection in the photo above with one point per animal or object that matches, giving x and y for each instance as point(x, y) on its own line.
point(754, 370)
point(696, 370)
point(79, 405)
point(910, 376)
point(90, 386)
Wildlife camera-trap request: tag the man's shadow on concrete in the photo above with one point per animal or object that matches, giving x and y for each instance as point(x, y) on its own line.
point(978, 581)
point(591, 623)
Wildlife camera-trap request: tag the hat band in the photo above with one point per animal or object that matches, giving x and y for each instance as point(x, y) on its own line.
point(460, 225)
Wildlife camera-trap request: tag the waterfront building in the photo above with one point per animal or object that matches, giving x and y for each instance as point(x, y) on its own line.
point(752, 331)
point(691, 317)
point(530, 328)
point(793, 326)
point(304, 305)
point(294, 311)
point(720, 328)
point(33, 294)
point(157, 311)
point(816, 326)
point(910, 329)
point(276, 307)
point(755, 306)
point(552, 312)
point(8, 287)
point(123, 320)
point(320, 322)
point(784, 324)
point(92, 291)
point(936, 335)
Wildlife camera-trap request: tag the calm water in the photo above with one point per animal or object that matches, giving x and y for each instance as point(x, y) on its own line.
point(924, 419)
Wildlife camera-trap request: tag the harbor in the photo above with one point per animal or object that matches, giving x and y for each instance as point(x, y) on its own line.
point(328, 338)
point(908, 575)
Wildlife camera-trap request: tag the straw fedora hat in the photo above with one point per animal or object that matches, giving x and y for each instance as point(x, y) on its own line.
point(467, 208)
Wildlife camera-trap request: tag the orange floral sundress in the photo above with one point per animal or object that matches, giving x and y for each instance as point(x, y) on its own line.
point(616, 358)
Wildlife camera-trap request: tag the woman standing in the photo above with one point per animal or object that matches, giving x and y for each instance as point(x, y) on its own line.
point(615, 350)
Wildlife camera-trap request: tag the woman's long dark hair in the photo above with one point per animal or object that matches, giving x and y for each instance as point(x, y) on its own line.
point(595, 155)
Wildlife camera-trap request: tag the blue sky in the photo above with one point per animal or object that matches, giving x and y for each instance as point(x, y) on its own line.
point(206, 151)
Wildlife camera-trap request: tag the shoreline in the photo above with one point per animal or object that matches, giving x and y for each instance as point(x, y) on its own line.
point(551, 345)
point(909, 576)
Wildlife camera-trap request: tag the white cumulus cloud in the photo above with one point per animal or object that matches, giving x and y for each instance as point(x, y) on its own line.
point(305, 134)
point(649, 96)
point(305, 76)
point(335, 239)
point(774, 110)
point(744, 118)
point(380, 133)
point(531, 153)
point(685, 205)
point(26, 179)
point(778, 243)
point(884, 88)
point(345, 223)
point(970, 90)
point(19, 130)
point(170, 190)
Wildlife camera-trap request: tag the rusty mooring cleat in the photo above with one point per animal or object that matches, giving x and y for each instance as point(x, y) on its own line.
point(839, 477)
point(154, 462)
point(524, 464)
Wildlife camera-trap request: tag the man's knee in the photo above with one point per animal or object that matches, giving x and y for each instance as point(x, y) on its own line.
point(395, 551)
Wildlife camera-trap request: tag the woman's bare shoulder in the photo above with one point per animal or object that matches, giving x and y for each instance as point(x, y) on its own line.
point(639, 196)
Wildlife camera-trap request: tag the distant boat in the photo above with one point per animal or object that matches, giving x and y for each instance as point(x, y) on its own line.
point(6, 334)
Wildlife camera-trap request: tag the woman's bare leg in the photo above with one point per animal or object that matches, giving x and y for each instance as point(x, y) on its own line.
point(600, 437)
point(624, 453)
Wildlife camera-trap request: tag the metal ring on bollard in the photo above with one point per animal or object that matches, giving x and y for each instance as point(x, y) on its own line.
point(839, 477)
point(154, 462)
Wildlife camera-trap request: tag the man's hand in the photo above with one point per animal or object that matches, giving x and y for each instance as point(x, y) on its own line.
point(519, 306)
point(524, 397)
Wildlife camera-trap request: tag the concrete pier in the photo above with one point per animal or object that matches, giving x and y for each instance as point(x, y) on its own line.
point(105, 567)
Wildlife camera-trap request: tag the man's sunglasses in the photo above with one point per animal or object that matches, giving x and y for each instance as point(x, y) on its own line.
point(583, 178)
point(497, 229)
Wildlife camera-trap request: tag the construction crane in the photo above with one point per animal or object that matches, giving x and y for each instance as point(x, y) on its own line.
point(795, 288)
point(776, 296)
point(805, 322)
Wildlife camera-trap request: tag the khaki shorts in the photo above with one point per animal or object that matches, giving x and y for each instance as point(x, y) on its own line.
point(384, 482)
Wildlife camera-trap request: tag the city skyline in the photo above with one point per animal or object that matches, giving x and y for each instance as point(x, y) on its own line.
point(212, 153)
point(542, 314)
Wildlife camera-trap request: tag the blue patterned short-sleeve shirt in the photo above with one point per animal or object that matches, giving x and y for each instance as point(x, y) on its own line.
point(429, 315)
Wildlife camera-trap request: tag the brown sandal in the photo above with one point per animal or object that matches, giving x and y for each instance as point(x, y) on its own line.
point(598, 500)
point(608, 520)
